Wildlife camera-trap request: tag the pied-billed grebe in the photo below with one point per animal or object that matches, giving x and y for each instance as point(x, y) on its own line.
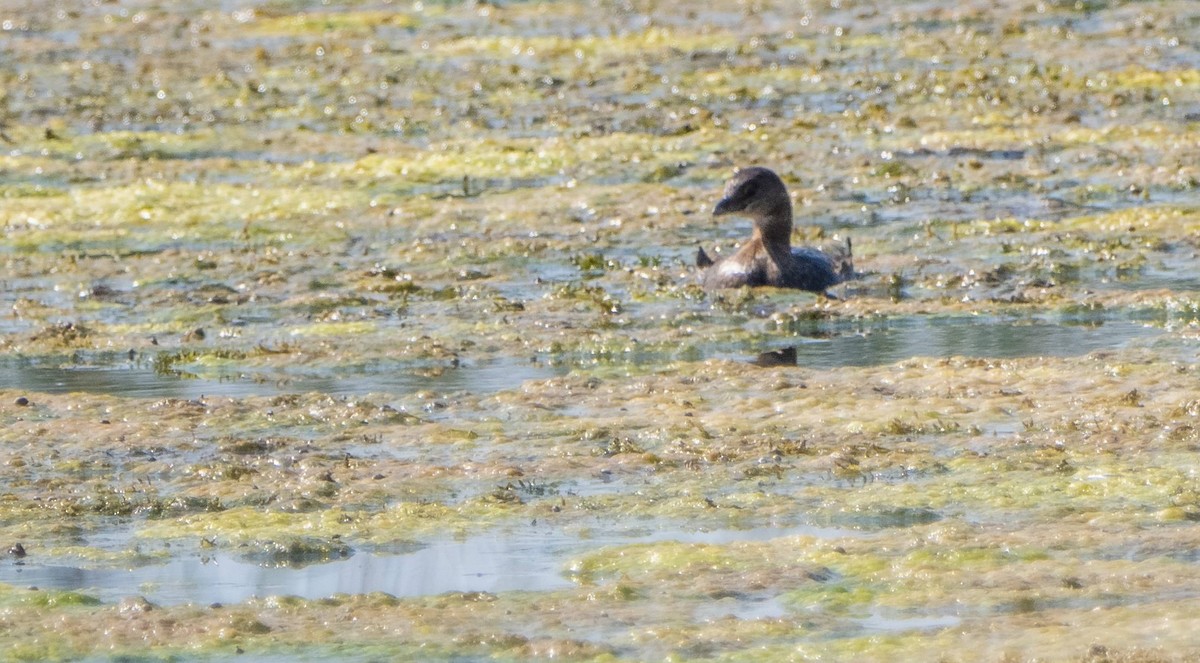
point(768, 258)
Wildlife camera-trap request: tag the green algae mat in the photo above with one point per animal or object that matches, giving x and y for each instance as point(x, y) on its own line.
point(371, 331)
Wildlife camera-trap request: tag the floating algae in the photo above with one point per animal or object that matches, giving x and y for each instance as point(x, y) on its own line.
point(310, 302)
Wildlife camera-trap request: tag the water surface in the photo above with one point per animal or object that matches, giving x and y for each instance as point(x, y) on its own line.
point(532, 559)
point(824, 346)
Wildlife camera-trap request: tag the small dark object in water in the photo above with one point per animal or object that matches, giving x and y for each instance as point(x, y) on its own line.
point(784, 357)
point(17, 550)
point(100, 291)
point(768, 258)
point(22, 401)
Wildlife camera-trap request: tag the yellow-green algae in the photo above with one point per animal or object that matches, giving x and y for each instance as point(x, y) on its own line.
point(304, 189)
point(1029, 512)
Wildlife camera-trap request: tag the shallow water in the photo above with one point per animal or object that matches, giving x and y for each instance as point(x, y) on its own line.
point(742, 608)
point(502, 201)
point(848, 344)
point(115, 374)
point(880, 622)
point(890, 341)
point(532, 559)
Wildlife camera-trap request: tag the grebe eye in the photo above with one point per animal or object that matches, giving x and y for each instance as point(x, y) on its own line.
point(749, 189)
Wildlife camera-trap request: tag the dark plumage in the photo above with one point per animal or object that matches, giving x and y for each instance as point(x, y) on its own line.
point(768, 258)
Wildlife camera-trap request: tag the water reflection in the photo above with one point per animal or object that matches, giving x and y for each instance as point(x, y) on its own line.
point(481, 564)
point(814, 344)
point(741, 607)
point(528, 559)
point(114, 373)
point(890, 341)
point(878, 621)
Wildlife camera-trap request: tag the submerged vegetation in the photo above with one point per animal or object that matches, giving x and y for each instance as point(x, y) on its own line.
point(290, 285)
